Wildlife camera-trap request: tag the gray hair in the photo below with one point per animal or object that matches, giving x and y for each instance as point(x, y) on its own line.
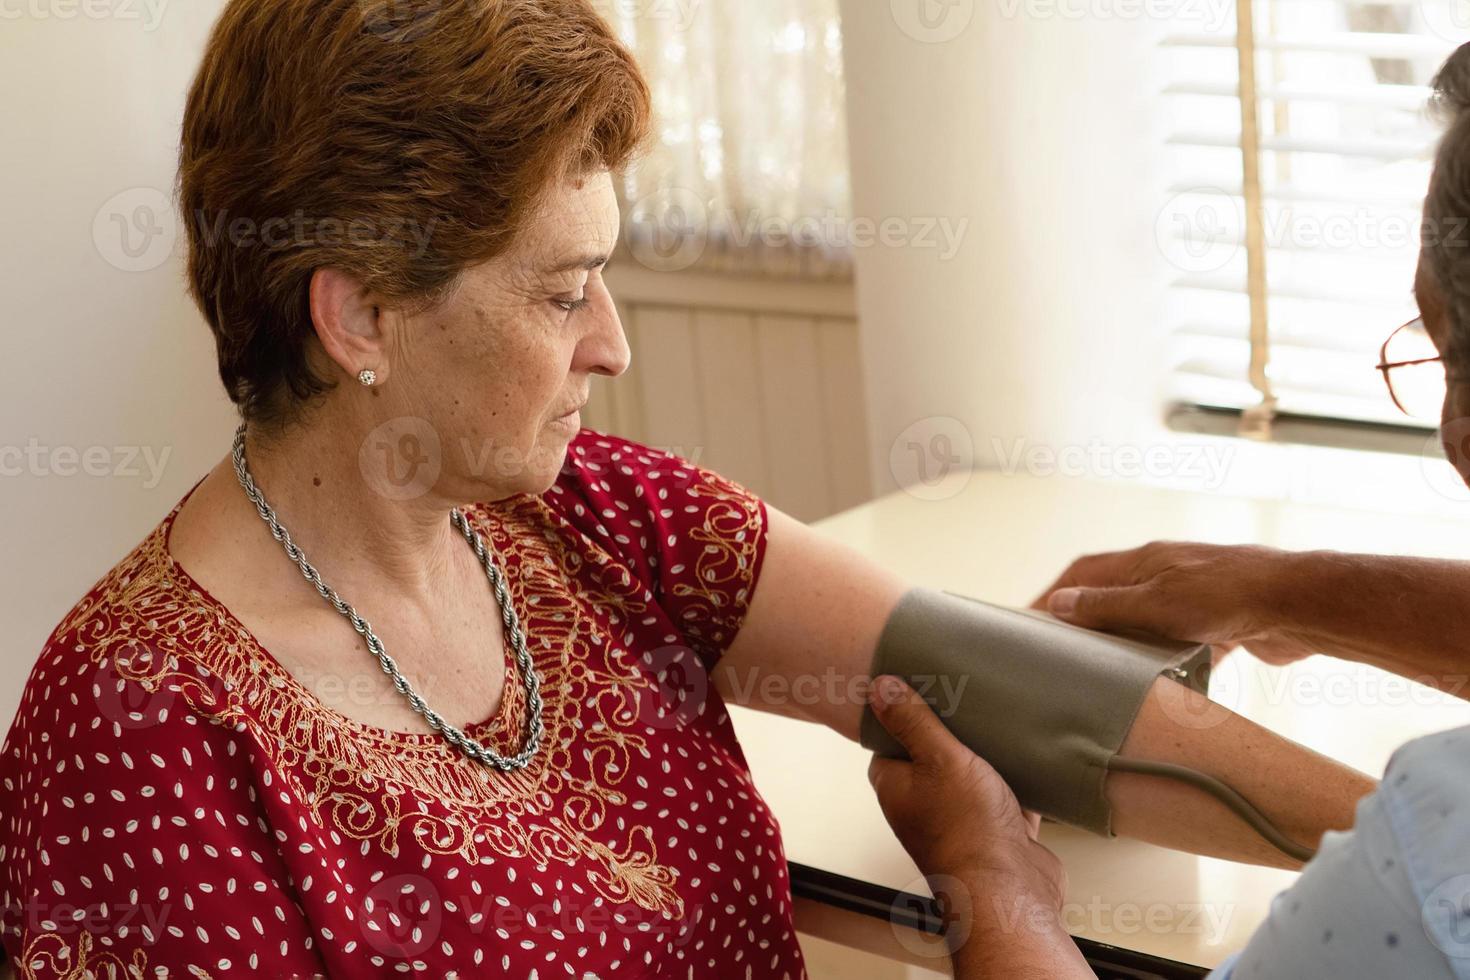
point(1447, 208)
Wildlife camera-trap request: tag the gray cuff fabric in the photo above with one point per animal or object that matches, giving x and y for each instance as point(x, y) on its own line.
point(1046, 703)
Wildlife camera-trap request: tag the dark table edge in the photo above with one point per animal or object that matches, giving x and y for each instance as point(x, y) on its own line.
point(918, 912)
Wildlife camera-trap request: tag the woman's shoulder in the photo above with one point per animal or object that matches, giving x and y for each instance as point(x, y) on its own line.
point(695, 537)
point(651, 505)
point(112, 769)
point(616, 478)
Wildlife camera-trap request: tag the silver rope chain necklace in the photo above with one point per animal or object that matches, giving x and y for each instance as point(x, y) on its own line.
point(475, 750)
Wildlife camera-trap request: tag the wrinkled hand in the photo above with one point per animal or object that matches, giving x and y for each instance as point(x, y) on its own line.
point(953, 813)
point(1216, 594)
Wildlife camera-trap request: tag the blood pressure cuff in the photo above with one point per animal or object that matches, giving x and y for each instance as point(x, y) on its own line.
point(1047, 704)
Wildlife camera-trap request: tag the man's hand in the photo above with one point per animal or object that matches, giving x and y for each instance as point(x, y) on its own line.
point(954, 813)
point(1222, 595)
point(957, 817)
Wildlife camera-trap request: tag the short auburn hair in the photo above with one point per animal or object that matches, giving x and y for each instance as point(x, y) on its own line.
point(400, 141)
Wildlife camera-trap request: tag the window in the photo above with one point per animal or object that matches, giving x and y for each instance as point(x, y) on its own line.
point(748, 172)
point(1287, 315)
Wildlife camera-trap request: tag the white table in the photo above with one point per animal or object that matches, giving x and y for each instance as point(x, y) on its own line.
point(1005, 538)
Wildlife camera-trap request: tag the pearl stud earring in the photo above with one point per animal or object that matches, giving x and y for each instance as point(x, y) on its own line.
point(368, 377)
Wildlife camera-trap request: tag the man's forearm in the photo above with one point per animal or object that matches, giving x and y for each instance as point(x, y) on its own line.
point(1404, 615)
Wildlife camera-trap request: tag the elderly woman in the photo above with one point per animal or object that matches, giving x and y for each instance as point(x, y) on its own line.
point(1389, 899)
point(404, 683)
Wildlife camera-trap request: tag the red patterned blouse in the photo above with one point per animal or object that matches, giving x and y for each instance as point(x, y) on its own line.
point(173, 803)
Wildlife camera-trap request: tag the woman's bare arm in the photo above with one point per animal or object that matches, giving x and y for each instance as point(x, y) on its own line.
point(808, 641)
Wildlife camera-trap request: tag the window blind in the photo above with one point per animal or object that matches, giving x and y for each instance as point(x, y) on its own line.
point(1341, 141)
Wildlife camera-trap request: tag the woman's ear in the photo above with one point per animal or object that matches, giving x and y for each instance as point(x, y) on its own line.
point(349, 323)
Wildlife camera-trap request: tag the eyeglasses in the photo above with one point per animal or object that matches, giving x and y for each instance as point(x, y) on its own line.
point(1414, 371)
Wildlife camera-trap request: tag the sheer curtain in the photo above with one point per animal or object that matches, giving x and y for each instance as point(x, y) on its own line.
point(748, 170)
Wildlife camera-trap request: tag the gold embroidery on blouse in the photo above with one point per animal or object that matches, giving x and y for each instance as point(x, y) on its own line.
point(51, 954)
point(728, 536)
point(633, 876)
point(376, 787)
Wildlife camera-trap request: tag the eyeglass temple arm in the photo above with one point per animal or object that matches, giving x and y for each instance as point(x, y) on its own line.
point(1388, 365)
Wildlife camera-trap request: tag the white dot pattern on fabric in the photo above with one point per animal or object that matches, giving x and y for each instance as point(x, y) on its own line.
point(174, 803)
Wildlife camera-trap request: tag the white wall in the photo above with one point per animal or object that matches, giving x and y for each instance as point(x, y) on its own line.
point(1041, 132)
point(92, 357)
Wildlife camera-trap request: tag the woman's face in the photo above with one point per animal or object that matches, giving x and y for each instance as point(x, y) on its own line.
point(501, 368)
point(1455, 430)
